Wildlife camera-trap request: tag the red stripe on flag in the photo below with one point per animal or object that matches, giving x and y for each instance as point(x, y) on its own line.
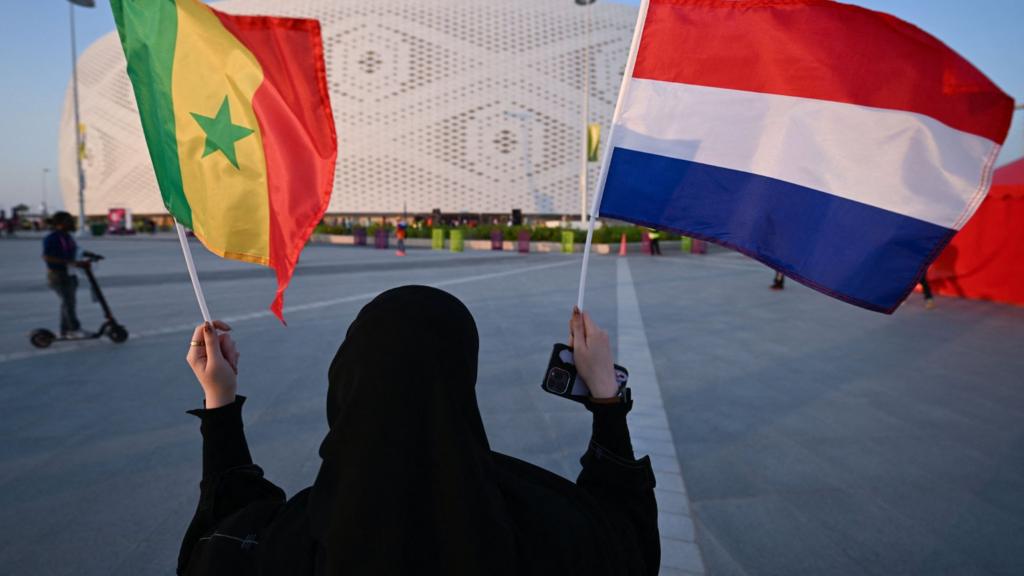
point(823, 50)
point(294, 112)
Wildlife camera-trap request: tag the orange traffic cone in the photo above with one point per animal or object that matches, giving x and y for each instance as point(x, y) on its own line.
point(622, 245)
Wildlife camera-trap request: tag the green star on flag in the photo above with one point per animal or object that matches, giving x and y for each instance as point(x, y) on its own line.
point(221, 134)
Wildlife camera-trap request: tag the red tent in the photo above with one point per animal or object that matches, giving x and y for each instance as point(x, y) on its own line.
point(985, 260)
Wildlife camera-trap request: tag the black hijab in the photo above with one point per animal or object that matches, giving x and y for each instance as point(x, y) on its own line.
point(408, 484)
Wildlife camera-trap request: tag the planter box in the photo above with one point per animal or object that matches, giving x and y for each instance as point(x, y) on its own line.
point(509, 245)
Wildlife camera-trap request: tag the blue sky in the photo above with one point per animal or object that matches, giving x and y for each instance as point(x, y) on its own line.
point(35, 67)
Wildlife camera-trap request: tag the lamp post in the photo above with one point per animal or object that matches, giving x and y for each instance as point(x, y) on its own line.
point(46, 212)
point(77, 127)
point(585, 110)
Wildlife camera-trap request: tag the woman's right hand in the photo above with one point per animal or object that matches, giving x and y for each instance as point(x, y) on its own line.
point(592, 354)
point(214, 360)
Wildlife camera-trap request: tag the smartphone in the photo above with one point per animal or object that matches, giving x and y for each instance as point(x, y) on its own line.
point(561, 378)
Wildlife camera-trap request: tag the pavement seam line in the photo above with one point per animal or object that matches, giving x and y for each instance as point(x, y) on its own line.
point(65, 348)
point(716, 262)
point(679, 548)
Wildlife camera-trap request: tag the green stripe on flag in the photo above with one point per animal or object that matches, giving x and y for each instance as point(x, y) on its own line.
point(148, 32)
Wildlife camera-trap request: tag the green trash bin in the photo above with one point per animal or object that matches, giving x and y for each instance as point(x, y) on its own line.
point(455, 240)
point(685, 243)
point(437, 239)
point(568, 241)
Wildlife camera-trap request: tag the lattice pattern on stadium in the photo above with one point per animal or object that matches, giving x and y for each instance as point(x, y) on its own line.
point(463, 105)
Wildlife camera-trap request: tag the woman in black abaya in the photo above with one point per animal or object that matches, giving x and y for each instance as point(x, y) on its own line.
point(408, 483)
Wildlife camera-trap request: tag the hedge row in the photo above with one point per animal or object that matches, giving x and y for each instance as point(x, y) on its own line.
point(603, 235)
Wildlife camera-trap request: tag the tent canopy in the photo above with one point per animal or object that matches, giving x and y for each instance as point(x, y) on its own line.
point(1009, 180)
point(985, 260)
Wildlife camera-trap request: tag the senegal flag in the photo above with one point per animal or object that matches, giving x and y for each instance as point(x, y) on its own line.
point(238, 123)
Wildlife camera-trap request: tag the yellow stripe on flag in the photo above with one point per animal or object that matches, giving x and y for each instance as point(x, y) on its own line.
point(220, 148)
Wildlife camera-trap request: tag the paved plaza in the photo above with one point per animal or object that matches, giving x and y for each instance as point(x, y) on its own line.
point(791, 434)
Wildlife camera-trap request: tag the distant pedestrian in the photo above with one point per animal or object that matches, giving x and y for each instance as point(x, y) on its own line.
point(780, 281)
point(400, 235)
point(59, 253)
point(654, 236)
point(929, 300)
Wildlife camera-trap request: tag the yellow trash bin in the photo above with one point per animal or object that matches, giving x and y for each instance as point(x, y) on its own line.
point(455, 240)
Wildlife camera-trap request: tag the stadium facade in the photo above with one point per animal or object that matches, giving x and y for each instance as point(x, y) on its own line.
point(468, 106)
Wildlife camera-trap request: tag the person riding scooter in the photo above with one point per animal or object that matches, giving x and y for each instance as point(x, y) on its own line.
point(60, 253)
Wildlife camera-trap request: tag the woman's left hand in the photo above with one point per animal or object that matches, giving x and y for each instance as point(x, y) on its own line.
point(592, 354)
point(215, 363)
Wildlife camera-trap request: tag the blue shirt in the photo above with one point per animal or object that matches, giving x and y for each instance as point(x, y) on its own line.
point(59, 244)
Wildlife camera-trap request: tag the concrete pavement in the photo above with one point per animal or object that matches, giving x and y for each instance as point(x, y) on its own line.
point(812, 437)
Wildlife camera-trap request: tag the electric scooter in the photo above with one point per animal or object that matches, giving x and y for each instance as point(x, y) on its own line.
point(42, 338)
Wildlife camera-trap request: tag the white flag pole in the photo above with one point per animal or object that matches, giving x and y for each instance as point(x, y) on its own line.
point(187, 252)
point(641, 17)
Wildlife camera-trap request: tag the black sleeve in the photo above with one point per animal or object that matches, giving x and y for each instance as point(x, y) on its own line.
point(609, 429)
point(224, 445)
point(622, 485)
point(235, 501)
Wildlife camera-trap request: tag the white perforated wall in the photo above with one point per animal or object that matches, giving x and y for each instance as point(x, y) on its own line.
point(463, 105)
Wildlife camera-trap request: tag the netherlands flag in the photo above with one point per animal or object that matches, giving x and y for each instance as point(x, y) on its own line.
point(841, 146)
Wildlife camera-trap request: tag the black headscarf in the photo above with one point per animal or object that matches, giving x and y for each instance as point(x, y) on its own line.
point(408, 483)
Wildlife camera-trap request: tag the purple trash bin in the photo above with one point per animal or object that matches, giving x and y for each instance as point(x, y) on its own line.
point(524, 242)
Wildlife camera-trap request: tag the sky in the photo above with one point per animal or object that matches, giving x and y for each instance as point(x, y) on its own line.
point(35, 67)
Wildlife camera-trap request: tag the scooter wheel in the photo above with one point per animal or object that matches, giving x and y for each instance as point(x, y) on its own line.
point(42, 338)
point(117, 333)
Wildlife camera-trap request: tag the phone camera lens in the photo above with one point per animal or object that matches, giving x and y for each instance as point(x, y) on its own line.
point(557, 381)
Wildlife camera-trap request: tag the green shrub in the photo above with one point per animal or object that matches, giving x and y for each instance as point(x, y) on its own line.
point(332, 229)
point(422, 232)
point(603, 235)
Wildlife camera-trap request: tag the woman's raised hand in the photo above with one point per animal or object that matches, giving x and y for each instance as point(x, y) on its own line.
point(214, 360)
point(592, 353)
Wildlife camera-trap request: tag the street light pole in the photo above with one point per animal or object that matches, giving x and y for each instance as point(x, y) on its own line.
point(78, 125)
point(585, 114)
point(46, 211)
